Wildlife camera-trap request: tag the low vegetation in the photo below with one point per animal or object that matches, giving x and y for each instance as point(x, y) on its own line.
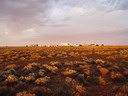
point(64, 71)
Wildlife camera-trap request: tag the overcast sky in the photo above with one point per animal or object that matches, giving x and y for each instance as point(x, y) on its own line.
point(54, 21)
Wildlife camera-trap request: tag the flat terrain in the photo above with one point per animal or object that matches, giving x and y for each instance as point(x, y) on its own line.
point(64, 71)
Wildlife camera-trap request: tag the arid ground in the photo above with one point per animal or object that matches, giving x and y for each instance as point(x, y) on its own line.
point(64, 71)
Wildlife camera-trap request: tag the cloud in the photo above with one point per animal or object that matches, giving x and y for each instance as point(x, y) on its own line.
point(19, 15)
point(104, 5)
point(107, 38)
point(59, 25)
point(27, 19)
point(123, 5)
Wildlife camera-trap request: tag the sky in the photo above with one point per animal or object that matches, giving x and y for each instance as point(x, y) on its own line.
point(44, 22)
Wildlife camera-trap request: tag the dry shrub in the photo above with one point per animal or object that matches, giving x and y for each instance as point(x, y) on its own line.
point(115, 88)
point(41, 72)
point(124, 56)
point(79, 90)
point(31, 65)
point(11, 71)
point(116, 67)
point(43, 57)
point(115, 75)
point(110, 57)
point(54, 62)
point(69, 72)
point(1, 60)
point(65, 56)
point(104, 71)
point(35, 56)
point(124, 88)
point(59, 55)
point(51, 68)
point(45, 65)
point(12, 66)
point(30, 77)
point(24, 93)
point(74, 54)
point(27, 78)
point(87, 71)
point(100, 61)
point(101, 80)
point(28, 67)
point(49, 56)
point(42, 80)
point(120, 94)
point(11, 79)
point(126, 72)
point(15, 57)
point(84, 66)
point(118, 77)
point(64, 53)
point(22, 58)
point(98, 66)
point(68, 63)
point(68, 79)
